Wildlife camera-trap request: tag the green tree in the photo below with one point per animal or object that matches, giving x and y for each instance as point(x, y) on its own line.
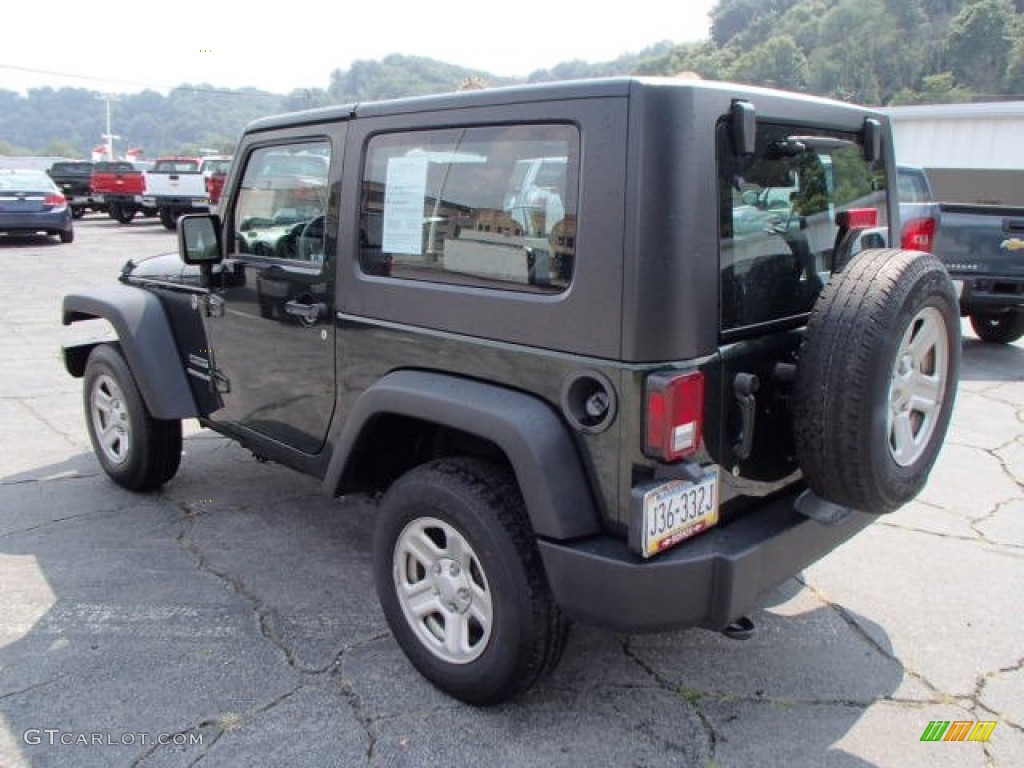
point(979, 44)
point(1015, 69)
point(941, 88)
point(779, 63)
point(10, 150)
point(730, 19)
point(62, 148)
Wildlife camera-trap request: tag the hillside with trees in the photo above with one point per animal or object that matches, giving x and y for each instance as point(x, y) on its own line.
point(876, 52)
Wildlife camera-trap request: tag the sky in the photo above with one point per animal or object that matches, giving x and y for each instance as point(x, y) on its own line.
point(279, 46)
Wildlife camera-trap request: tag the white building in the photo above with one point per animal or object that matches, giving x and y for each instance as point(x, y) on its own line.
point(973, 153)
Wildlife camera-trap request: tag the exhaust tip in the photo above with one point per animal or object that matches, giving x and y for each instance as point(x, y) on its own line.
point(740, 629)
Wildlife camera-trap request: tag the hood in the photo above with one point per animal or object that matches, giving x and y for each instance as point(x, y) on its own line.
point(165, 266)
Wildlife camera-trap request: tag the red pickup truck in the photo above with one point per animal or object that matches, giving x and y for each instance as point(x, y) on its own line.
point(121, 184)
point(215, 187)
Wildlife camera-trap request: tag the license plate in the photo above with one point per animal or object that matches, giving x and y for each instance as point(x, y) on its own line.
point(677, 510)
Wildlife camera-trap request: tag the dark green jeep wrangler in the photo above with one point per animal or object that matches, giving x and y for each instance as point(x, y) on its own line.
point(615, 351)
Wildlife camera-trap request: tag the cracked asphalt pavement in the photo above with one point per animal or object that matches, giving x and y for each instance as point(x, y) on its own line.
point(230, 619)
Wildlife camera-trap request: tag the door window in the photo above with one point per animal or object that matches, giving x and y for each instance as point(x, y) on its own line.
point(282, 200)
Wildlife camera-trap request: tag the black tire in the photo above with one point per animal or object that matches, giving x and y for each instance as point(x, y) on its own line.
point(67, 235)
point(496, 596)
point(138, 451)
point(168, 219)
point(1001, 328)
point(876, 379)
point(77, 213)
point(122, 214)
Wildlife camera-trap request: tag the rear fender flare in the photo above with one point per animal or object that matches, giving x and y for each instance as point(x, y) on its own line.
point(528, 431)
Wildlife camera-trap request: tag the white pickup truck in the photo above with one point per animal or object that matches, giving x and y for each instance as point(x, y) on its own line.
point(177, 185)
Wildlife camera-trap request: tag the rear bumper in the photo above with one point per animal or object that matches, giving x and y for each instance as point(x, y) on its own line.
point(119, 199)
point(51, 221)
point(83, 200)
point(989, 292)
point(179, 203)
point(709, 581)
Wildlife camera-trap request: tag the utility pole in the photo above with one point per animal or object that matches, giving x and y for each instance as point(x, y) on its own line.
point(109, 136)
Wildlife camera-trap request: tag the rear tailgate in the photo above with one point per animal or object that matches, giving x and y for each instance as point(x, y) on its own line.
point(982, 246)
point(982, 239)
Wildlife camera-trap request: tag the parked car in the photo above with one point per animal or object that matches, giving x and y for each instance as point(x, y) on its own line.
point(31, 203)
point(121, 184)
point(645, 433)
point(74, 178)
point(178, 185)
point(919, 211)
point(982, 247)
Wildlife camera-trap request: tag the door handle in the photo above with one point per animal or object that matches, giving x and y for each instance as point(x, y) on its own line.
point(308, 313)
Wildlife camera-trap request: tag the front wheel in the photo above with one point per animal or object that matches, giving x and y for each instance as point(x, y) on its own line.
point(1002, 328)
point(461, 582)
point(138, 452)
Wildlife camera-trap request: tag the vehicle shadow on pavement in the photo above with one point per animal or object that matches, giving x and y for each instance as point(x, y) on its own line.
point(991, 362)
point(28, 241)
point(237, 605)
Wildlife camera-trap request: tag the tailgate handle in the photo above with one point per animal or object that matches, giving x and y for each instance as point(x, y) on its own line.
point(744, 386)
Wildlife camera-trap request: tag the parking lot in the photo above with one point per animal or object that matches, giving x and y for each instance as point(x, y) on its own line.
point(230, 619)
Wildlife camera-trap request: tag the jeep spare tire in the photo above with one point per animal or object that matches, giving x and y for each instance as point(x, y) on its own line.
point(876, 379)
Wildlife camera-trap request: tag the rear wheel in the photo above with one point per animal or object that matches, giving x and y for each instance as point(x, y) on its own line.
point(138, 451)
point(876, 379)
point(122, 214)
point(168, 219)
point(1002, 328)
point(461, 583)
point(77, 213)
point(67, 235)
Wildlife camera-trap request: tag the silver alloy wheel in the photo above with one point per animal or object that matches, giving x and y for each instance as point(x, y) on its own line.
point(110, 419)
point(443, 591)
point(917, 390)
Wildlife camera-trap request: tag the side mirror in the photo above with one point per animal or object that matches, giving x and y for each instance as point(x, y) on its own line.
point(199, 239)
point(744, 127)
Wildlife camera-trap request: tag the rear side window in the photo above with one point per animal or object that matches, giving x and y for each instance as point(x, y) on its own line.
point(778, 218)
point(488, 206)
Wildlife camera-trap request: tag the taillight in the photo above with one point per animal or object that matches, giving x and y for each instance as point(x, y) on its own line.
point(675, 415)
point(56, 200)
point(857, 218)
point(919, 234)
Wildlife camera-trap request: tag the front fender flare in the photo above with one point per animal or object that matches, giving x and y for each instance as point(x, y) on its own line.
point(538, 444)
point(146, 340)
